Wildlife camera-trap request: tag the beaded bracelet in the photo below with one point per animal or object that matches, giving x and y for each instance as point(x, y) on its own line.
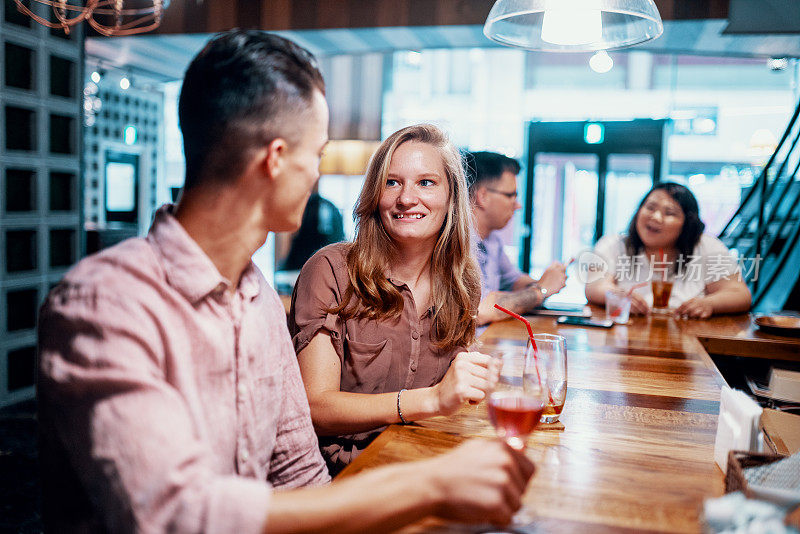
point(399, 411)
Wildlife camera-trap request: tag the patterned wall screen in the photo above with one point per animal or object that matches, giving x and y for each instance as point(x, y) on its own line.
point(40, 219)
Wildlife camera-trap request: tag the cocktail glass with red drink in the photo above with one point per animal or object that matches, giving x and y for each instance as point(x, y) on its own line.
point(516, 404)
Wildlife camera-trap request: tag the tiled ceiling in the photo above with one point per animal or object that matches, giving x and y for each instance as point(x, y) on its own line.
point(165, 57)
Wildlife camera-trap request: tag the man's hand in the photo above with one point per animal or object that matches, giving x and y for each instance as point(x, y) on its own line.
point(696, 308)
point(480, 481)
point(554, 278)
point(471, 375)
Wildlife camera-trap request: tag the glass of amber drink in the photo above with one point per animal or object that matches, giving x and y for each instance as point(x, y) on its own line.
point(549, 358)
point(662, 290)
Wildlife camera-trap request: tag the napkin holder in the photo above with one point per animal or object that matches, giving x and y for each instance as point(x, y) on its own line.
point(738, 427)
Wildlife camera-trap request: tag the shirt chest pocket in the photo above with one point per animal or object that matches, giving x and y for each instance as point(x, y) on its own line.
point(366, 366)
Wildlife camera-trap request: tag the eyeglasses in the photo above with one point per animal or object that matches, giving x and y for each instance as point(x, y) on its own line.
point(509, 196)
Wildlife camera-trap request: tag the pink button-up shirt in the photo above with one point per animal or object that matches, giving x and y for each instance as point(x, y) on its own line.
point(166, 403)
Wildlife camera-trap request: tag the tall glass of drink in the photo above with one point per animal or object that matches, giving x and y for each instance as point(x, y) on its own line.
point(550, 360)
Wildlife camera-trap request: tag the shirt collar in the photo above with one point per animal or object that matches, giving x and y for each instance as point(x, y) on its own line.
point(189, 270)
point(477, 242)
point(402, 286)
point(250, 285)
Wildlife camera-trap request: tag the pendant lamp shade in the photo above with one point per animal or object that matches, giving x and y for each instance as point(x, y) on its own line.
point(573, 25)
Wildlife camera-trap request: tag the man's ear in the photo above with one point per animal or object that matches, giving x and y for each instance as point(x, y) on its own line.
point(480, 197)
point(275, 157)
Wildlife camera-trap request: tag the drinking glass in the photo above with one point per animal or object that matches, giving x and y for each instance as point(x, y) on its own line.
point(550, 361)
point(516, 405)
point(662, 290)
point(517, 402)
point(618, 305)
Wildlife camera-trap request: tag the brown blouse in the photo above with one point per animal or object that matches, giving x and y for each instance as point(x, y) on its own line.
point(376, 356)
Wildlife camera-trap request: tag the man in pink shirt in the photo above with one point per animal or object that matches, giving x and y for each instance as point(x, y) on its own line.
point(170, 397)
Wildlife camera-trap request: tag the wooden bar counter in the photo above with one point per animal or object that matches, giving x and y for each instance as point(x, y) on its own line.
point(635, 453)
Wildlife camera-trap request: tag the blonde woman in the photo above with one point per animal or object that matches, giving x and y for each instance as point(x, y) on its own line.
point(381, 325)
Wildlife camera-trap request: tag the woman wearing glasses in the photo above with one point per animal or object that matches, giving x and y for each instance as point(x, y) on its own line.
point(665, 240)
point(380, 325)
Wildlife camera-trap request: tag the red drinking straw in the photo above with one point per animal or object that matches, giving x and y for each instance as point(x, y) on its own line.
point(633, 288)
point(627, 294)
point(533, 344)
point(521, 318)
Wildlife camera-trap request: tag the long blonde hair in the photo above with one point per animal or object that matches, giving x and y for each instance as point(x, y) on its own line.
point(455, 281)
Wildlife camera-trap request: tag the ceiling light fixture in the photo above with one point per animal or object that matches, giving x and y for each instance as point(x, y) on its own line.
point(107, 17)
point(573, 25)
point(601, 62)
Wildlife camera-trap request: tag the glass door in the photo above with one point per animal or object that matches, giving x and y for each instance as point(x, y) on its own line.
point(628, 178)
point(564, 212)
point(564, 206)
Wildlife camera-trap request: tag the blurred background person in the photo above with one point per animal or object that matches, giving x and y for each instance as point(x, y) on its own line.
point(322, 225)
point(665, 239)
point(381, 325)
point(492, 180)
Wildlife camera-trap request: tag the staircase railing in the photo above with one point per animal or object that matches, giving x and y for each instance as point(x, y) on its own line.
point(766, 226)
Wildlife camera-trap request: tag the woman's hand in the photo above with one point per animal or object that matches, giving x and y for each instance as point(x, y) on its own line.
point(471, 375)
point(639, 305)
point(696, 308)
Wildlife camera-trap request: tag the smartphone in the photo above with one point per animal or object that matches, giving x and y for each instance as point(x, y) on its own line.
point(585, 321)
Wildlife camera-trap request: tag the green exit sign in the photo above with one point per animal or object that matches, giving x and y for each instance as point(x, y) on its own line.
point(593, 133)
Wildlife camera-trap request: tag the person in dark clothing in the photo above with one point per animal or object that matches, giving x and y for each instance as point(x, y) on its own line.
point(322, 225)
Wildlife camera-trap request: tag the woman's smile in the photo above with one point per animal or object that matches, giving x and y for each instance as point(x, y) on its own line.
point(415, 199)
point(409, 216)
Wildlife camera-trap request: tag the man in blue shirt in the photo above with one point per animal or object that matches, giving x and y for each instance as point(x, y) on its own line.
point(492, 181)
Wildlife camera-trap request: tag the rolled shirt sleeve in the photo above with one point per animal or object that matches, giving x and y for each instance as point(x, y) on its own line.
point(497, 271)
point(315, 292)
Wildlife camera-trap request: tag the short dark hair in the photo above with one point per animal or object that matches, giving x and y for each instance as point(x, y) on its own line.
point(237, 94)
point(483, 167)
point(692, 225)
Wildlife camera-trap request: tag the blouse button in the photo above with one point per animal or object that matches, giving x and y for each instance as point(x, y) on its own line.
point(415, 334)
point(413, 365)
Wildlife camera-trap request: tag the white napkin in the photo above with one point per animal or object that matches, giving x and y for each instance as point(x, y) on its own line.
point(738, 427)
